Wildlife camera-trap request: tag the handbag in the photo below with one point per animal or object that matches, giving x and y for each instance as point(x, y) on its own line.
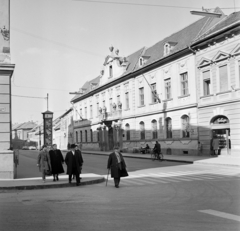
point(48, 172)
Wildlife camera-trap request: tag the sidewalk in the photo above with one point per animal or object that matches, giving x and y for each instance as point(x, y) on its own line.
point(36, 183)
point(223, 160)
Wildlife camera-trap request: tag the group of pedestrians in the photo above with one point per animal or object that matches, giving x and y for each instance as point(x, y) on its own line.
point(50, 162)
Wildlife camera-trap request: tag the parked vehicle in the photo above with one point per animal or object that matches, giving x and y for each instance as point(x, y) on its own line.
point(32, 148)
point(25, 148)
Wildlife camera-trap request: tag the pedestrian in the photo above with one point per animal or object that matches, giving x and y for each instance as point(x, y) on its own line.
point(117, 165)
point(57, 160)
point(44, 162)
point(74, 163)
point(157, 149)
point(215, 145)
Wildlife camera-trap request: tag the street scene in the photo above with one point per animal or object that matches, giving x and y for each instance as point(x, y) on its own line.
point(119, 115)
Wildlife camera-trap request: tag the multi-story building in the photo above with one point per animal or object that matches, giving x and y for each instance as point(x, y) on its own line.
point(147, 96)
point(218, 80)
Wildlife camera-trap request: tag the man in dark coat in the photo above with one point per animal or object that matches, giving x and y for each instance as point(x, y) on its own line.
point(57, 160)
point(74, 163)
point(117, 165)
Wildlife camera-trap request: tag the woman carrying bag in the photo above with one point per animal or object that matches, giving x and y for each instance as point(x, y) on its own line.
point(44, 162)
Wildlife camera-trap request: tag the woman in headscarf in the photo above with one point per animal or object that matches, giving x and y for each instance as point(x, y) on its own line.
point(117, 165)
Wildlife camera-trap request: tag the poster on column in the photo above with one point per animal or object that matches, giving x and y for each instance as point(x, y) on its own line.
point(5, 32)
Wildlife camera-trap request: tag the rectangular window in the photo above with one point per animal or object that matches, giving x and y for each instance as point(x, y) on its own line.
point(127, 100)
point(97, 108)
point(91, 111)
point(184, 84)
point(110, 105)
point(168, 94)
point(85, 112)
point(153, 93)
point(81, 113)
point(223, 78)
point(118, 99)
point(141, 96)
point(206, 83)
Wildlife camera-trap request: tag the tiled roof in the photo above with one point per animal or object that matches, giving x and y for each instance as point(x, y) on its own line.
point(182, 38)
point(179, 40)
point(26, 126)
point(227, 21)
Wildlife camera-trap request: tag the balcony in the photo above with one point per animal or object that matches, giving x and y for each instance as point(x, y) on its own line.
point(114, 115)
point(80, 123)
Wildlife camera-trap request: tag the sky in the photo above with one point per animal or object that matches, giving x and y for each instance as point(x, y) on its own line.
point(58, 45)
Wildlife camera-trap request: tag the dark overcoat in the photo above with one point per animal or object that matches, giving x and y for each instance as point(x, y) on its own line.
point(117, 170)
point(57, 160)
point(157, 148)
point(74, 162)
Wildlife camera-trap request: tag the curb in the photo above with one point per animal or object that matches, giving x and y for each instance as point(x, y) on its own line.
point(140, 157)
point(46, 186)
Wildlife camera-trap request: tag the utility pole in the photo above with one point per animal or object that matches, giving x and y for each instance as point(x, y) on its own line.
point(47, 101)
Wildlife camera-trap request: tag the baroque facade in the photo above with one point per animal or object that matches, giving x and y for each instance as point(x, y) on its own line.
point(152, 94)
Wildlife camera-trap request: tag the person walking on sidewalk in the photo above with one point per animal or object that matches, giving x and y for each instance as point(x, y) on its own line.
point(57, 160)
point(117, 165)
point(74, 162)
point(44, 162)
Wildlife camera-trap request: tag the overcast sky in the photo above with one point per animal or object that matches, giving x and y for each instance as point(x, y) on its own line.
point(58, 45)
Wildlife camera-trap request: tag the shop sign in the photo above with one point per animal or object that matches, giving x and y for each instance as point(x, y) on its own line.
point(221, 120)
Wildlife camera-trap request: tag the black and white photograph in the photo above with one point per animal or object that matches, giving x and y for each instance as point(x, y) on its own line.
point(119, 115)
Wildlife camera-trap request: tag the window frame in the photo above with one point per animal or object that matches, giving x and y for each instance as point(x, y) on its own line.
point(128, 135)
point(141, 96)
point(154, 89)
point(168, 131)
point(168, 88)
point(184, 90)
point(142, 130)
point(127, 100)
point(154, 129)
point(184, 132)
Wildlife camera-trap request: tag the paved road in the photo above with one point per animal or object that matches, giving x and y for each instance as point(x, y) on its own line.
point(92, 164)
point(181, 198)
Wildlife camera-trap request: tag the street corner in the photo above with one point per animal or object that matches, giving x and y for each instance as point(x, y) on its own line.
point(31, 184)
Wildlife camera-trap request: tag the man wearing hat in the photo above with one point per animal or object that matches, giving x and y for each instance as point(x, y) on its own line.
point(74, 163)
point(117, 165)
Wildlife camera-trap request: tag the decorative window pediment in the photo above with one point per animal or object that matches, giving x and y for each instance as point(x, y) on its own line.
point(236, 50)
point(220, 56)
point(204, 62)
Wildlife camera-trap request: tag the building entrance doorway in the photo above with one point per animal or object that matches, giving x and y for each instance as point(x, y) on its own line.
point(221, 131)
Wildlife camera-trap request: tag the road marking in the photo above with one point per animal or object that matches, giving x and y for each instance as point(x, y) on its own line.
point(221, 214)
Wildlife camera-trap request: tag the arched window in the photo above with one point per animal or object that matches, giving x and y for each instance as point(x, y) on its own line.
point(127, 128)
point(154, 129)
point(142, 130)
point(76, 137)
point(168, 127)
point(185, 126)
point(91, 132)
point(85, 135)
point(81, 136)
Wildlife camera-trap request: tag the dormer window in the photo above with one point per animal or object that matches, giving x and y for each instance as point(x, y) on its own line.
point(110, 71)
point(168, 46)
point(166, 49)
point(141, 62)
